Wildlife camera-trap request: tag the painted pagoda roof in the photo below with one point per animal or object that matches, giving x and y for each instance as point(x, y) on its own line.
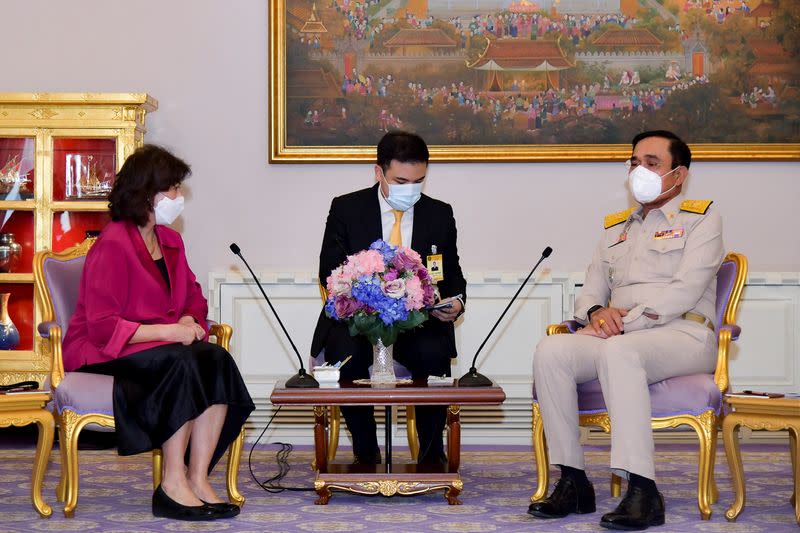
point(425, 37)
point(521, 53)
point(629, 37)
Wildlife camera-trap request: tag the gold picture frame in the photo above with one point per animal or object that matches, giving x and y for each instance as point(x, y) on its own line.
point(283, 149)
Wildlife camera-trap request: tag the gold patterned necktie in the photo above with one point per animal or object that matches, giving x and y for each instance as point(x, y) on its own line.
point(395, 237)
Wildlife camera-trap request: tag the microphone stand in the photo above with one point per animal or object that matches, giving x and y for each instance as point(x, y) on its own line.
point(473, 378)
point(301, 380)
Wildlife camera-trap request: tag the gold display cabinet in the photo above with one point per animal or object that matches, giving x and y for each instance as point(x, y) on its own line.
point(59, 155)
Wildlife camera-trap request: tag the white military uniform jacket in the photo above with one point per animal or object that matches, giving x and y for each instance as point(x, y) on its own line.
point(663, 266)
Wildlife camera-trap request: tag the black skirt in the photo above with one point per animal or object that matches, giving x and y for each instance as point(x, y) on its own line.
point(156, 391)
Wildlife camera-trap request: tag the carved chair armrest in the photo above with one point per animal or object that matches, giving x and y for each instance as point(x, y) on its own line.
point(51, 333)
point(222, 333)
point(568, 326)
point(734, 329)
point(44, 328)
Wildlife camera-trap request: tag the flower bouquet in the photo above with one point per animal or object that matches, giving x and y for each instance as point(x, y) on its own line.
point(380, 292)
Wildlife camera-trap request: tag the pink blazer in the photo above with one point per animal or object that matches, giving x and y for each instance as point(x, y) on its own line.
point(122, 288)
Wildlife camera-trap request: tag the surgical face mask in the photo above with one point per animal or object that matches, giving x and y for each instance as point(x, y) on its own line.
point(167, 209)
point(646, 184)
point(403, 197)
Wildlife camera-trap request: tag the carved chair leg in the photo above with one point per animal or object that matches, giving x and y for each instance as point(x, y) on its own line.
point(540, 455)
point(616, 485)
point(61, 489)
point(411, 432)
point(72, 428)
point(232, 475)
point(713, 490)
point(706, 428)
point(158, 467)
point(333, 431)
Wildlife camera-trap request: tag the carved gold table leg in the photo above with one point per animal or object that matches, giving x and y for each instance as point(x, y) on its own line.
point(24, 410)
point(453, 452)
point(321, 453)
point(44, 444)
point(730, 437)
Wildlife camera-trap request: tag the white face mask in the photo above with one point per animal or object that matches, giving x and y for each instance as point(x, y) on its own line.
point(403, 197)
point(646, 184)
point(167, 209)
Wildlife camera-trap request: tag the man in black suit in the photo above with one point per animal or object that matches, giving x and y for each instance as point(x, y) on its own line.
point(395, 210)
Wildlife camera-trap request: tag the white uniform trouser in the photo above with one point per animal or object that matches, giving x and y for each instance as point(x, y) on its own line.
point(625, 365)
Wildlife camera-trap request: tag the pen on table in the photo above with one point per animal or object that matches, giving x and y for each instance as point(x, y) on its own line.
point(340, 364)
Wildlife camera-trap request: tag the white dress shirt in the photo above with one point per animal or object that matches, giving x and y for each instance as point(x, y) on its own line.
point(387, 221)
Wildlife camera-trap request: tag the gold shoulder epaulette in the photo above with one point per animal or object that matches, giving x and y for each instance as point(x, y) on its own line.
point(618, 218)
point(696, 206)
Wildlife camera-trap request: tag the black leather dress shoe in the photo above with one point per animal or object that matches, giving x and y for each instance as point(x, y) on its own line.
point(166, 507)
point(638, 510)
point(569, 496)
point(223, 509)
point(368, 459)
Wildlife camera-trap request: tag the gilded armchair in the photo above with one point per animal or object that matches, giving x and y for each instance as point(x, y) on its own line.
point(81, 399)
point(694, 400)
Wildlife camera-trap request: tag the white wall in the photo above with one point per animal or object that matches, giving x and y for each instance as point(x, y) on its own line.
point(206, 63)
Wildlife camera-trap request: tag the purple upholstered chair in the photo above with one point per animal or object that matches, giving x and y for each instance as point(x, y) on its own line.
point(335, 413)
point(694, 400)
point(81, 399)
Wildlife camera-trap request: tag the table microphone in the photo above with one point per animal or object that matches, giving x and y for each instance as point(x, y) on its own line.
point(301, 380)
point(473, 378)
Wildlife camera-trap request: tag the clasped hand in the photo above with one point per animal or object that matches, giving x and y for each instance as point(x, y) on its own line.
point(186, 331)
point(605, 322)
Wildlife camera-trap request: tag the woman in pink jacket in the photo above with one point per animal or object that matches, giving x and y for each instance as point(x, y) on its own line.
point(141, 317)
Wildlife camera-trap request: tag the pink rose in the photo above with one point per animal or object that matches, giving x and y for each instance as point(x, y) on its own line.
point(402, 262)
point(415, 292)
point(411, 254)
point(395, 288)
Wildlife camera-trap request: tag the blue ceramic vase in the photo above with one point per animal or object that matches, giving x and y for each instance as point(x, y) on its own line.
point(9, 334)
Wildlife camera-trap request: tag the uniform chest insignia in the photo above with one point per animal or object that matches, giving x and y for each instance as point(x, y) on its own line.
point(618, 218)
point(696, 206)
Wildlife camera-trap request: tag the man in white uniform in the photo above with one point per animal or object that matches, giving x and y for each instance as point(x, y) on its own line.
point(647, 304)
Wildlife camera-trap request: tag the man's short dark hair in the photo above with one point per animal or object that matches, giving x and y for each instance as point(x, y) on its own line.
point(148, 171)
point(679, 150)
point(403, 147)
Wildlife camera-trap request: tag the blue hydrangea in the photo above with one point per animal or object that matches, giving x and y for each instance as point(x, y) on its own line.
point(387, 250)
point(367, 290)
point(330, 309)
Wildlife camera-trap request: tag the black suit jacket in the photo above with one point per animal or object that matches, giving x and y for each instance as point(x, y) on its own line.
point(354, 222)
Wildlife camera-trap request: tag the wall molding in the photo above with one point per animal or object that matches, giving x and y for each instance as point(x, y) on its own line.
point(761, 359)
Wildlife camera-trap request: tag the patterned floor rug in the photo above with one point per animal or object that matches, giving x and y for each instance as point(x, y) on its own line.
point(115, 496)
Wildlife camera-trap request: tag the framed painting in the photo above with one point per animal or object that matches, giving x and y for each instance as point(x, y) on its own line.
point(533, 80)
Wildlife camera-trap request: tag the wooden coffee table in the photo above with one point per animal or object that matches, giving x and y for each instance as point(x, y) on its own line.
point(772, 414)
point(388, 479)
point(22, 410)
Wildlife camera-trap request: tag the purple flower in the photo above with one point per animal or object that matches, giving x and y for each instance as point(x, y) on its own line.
point(346, 307)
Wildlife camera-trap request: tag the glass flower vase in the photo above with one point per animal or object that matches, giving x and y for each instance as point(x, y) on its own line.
point(382, 364)
point(9, 335)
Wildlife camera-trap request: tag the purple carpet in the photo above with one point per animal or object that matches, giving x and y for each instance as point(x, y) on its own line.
point(498, 481)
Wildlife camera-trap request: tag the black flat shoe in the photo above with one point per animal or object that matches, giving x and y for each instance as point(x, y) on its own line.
point(569, 496)
point(638, 510)
point(223, 509)
point(166, 507)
